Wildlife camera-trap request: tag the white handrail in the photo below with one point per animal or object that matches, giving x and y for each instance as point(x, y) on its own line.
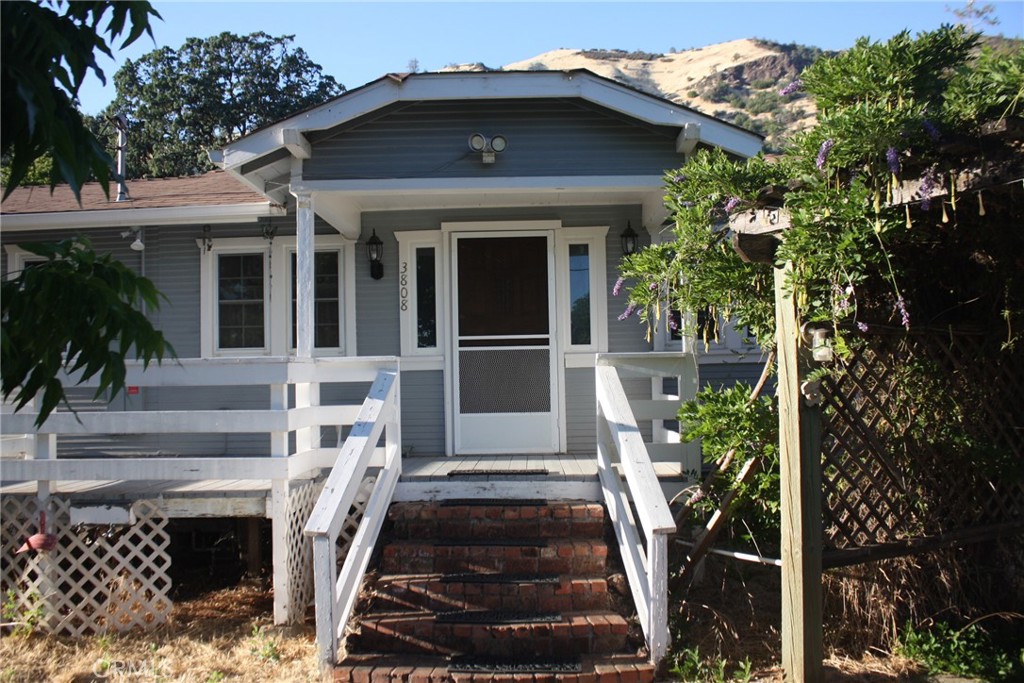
point(618, 435)
point(336, 594)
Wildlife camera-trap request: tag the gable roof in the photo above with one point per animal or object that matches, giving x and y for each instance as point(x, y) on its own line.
point(211, 197)
point(288, 134)
point(267, 159)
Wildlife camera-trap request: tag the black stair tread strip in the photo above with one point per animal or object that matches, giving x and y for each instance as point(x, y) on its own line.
point(499, 473)
point(537, 665)
point(491, 502)
point(504, 542)
point(477, 577)
point(496, 617)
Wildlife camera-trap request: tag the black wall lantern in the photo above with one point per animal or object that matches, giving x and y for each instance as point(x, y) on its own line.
point(629, 240)
point(375, 252)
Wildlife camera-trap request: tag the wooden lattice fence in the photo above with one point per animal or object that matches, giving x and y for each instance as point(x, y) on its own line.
point(923, 438)
point(89, 583)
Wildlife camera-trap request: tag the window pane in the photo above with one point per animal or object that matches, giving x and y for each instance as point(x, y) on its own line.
point(240, 301)
point(326, 300)
point(579, 293)
point(426, 299)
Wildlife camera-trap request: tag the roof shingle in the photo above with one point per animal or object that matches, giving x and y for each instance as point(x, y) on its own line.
point(215, 188)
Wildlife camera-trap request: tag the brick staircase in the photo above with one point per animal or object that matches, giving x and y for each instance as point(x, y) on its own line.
point(491, 592)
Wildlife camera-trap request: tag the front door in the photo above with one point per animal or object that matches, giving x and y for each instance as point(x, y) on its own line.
point(504, 343)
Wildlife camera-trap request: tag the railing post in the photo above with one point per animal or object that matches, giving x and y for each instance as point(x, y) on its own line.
point(325, 578)
point(657, 576)
point(279, 514)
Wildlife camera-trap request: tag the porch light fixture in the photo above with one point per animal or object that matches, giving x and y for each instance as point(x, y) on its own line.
point(488, 148)
point(375, 252)
point(138, 244)
point(629, 240)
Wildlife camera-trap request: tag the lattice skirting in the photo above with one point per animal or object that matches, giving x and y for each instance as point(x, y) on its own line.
point(89, 583)
point(302, 496)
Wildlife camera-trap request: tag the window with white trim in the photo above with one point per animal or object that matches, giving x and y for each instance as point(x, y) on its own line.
point(248, 290)
point(582, 301)
point(419, 281)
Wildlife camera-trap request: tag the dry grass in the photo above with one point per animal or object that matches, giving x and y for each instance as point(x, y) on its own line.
point(225, 635)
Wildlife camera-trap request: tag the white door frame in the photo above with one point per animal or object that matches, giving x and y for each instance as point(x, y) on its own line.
point(452, 231)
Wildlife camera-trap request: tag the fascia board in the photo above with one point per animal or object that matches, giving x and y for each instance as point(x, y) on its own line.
point(497, 183)
point(116, 218)
point(424, 87)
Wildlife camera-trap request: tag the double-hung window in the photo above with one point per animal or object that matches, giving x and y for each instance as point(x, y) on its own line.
point(248, 289)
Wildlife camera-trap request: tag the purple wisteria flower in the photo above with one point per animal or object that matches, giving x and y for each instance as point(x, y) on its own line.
point(732, 204)
point(931, 129)
point(792, 87)
point(673, 323)
point(628, 312)
point(826, 147)
point(901, 306)
point(653, 286)
point(928, 181)
point(892, 155)
point(618, 287)
point(863, 327)
point(679, 178)
point(687, 205)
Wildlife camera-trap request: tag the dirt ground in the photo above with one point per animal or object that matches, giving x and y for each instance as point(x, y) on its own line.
point(226, 635)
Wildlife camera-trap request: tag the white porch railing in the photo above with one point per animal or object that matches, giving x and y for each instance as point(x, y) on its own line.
point(336, 594)
point(619, 441)
point(36, 458)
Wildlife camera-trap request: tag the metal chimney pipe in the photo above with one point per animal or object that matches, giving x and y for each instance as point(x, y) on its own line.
point(122, 162)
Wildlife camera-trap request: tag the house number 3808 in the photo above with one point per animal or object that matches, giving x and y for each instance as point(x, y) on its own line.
point(403, 286)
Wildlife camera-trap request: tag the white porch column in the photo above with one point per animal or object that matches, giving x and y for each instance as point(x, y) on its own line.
point(304, 255)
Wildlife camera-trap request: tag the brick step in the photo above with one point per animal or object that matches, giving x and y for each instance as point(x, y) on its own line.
point(431, 669)
point(579, 557)
point(438, 592)
point(580, 633)
point(533, 519)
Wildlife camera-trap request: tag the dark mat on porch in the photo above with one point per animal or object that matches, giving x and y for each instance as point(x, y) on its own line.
point(497, 473)
point(492, 502)
point(547, 665)
point(506, 542)
point(496, 617)
point(476, 577)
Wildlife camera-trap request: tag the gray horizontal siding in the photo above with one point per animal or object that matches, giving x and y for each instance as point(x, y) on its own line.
point(719, 375)
point(423, 427)
point(545, 138)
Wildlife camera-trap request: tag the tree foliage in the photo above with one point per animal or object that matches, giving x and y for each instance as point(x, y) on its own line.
point(74, 312)
point(48, 49)
point(908, 109)
point(181, 103)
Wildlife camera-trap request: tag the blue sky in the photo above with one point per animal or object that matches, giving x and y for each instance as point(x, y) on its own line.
point(357, 42)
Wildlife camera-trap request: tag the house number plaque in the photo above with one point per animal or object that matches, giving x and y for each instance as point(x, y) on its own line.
point(403, 286)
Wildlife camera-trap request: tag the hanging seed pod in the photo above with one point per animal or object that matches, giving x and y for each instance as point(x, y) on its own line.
point(981, 205)
point(906, 208)
point(945, 216)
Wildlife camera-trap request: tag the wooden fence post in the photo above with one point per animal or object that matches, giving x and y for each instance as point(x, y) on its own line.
point(800, 482)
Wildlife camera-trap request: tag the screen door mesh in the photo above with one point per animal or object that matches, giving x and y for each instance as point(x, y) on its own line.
point(504, 380)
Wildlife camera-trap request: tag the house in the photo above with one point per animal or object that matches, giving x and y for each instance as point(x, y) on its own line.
point(411, 278)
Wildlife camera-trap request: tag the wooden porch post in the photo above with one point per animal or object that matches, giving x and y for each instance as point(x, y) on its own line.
point(800, 481)
point(304, 256)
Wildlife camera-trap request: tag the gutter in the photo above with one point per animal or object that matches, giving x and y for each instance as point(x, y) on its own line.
point(118, 218)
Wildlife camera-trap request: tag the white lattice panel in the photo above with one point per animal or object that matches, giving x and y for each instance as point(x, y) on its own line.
point(91, 582)
point(301, 499)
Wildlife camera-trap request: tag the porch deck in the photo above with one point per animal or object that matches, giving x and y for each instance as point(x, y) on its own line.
point(511, 475)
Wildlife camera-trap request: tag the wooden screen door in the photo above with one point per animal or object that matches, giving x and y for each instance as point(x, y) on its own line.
point(504, 356)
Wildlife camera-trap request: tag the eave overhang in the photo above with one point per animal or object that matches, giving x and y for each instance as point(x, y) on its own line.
point(117, 218)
